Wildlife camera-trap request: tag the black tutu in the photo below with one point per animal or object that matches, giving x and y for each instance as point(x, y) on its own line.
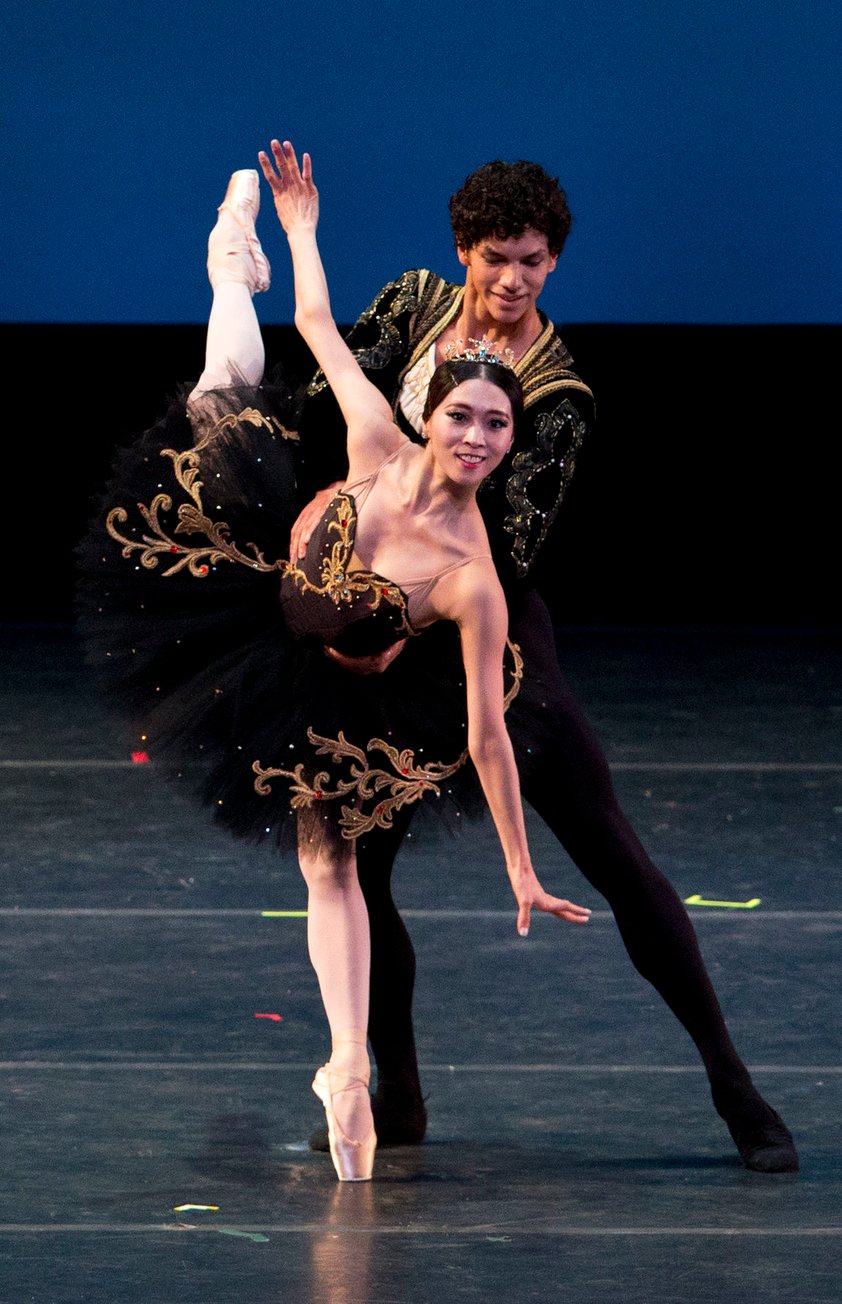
point(179, 610)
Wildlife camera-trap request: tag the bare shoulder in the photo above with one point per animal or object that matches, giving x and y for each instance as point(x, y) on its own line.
point(371, 440)
point(472, 596)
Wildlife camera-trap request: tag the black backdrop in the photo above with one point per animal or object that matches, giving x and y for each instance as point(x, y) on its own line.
point(707, 495)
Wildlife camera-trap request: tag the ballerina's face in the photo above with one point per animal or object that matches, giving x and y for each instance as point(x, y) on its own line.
point(471, 431)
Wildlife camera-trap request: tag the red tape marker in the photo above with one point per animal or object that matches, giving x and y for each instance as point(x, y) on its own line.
point(276, 1018)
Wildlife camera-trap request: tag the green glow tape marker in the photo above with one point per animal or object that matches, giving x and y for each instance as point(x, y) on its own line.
point(283, 914)
point(182, 1208)
point(257, 1237)
point(723, 905)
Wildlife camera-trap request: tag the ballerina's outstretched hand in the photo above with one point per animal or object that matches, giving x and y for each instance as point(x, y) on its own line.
point(296, 198)
point(367, 413)
point(530, 896)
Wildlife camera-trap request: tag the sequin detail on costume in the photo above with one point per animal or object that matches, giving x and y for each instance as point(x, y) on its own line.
point(192, 518)
point(404, 296)
point(528, 523)
point(378, 791)
point(406, 782)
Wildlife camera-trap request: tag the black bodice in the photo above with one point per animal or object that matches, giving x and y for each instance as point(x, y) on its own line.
point(329, 598)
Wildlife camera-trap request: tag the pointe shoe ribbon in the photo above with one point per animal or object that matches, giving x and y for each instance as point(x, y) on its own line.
point(234, 252)
point(353, 1160)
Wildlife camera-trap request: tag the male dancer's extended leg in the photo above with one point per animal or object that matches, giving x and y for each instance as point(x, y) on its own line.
point(570, 788)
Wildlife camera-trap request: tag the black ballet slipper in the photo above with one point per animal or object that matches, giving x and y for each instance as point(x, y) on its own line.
point(763, 1139)
point(400, 1119)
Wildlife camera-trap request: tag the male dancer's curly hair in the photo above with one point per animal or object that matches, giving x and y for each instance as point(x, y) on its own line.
point(500, 200)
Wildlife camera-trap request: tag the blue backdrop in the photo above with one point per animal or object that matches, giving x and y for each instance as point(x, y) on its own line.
point(699, 144)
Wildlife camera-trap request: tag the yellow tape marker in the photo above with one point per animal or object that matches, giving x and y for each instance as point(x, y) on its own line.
point(724, 905)
point(283, 914)
point(182, 1208)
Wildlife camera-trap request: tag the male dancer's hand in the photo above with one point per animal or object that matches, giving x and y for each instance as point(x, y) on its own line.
point(308, 519)
point(374, 664)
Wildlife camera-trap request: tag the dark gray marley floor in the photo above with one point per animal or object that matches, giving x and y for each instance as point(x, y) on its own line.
point(573, 1153)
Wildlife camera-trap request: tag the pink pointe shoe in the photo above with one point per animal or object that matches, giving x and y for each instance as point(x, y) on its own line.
point(353, 1160)
point(234, 252)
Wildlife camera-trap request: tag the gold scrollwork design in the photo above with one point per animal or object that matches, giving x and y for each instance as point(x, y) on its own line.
point(394, 301)
point(406, 782)
point(388, 789)
point(192, 519)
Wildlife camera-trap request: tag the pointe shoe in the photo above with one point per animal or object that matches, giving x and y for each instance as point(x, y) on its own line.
point(353, 1160)
point(236, 255)
point(400, 1119)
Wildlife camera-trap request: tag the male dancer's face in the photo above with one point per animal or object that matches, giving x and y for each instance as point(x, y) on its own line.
point(507, 276)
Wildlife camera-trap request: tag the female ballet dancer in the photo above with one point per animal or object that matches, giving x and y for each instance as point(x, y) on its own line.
point(243, 694)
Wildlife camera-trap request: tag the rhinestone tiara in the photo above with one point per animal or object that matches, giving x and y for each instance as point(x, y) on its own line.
point(483, 350)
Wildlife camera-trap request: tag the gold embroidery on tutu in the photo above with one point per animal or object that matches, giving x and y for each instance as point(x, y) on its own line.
point(405, 782)
point(192, 519)
point(389, 789)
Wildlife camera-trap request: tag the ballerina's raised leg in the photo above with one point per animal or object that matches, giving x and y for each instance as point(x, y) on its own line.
point(237, 269)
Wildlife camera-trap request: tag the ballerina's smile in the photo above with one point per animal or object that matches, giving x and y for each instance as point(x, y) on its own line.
point(472, 426)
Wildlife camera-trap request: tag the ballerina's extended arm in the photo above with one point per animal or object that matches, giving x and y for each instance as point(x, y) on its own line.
point(372, 434)
point(473, 598)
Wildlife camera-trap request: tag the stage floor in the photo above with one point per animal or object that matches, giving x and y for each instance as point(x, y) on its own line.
point(573, 1152)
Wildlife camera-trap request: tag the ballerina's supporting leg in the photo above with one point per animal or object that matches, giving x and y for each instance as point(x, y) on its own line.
point(400, 1115)
point(340, 952)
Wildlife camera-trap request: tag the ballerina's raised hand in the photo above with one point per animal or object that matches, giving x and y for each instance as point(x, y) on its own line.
point(296, 198)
